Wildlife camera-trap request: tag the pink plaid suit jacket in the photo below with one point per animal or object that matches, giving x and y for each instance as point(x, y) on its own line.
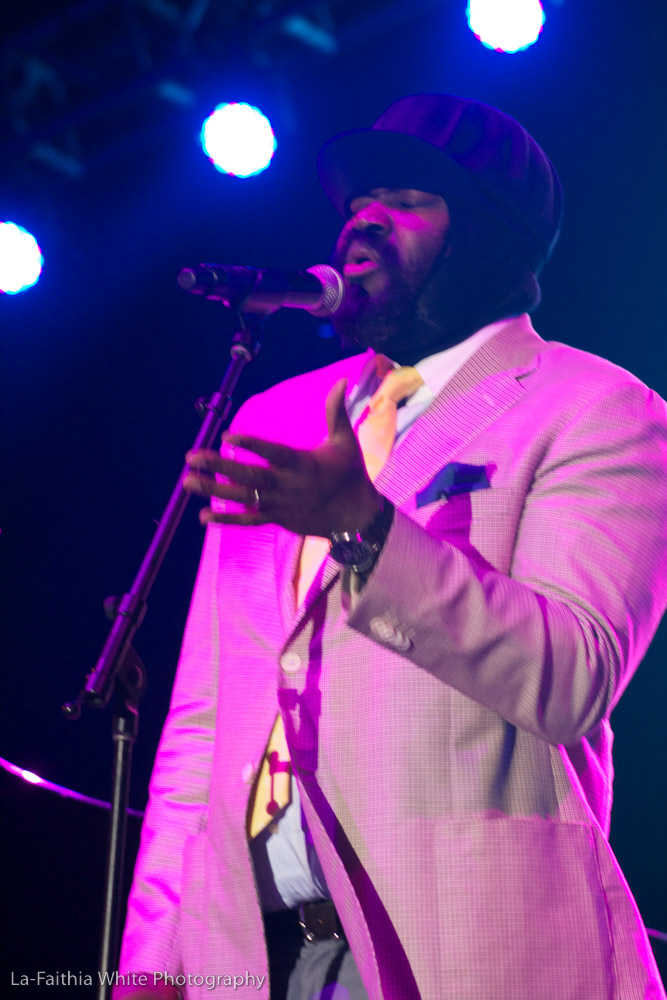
point(450, 728)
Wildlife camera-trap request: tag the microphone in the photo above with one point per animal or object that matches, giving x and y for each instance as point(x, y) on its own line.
point(319, 290)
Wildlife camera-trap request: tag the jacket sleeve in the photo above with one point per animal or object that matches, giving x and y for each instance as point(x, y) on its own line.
point(551, 646)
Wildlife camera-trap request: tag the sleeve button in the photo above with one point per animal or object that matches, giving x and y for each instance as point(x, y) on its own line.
point(383, 630)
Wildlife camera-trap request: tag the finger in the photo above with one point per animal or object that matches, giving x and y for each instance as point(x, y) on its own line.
point(338, 421)
point(205, 487)
point(246, 518)
point(203, 464)
point(280, 455)
point(204, 459)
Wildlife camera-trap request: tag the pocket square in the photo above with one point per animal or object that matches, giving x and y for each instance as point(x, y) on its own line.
point(453, 479)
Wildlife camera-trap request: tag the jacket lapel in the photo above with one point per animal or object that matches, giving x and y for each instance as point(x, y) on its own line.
point(483, 388)
point(487, 385)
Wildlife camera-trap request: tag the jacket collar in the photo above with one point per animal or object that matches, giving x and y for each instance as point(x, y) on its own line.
point(488, 384)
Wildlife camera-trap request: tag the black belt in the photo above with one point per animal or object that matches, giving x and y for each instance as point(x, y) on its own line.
point(314, 921)
point(320, 921)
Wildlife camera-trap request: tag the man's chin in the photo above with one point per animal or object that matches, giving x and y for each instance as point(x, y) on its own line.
point(365, 328)
point(376, 312)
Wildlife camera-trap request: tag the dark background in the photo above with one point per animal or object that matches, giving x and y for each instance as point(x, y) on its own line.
point(105, 356)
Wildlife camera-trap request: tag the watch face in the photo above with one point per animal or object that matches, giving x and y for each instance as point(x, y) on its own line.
point(352, 553)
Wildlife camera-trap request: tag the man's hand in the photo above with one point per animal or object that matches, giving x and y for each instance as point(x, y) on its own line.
point(307, 492)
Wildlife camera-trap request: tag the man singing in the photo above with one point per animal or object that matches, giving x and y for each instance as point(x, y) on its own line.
point(430, 570)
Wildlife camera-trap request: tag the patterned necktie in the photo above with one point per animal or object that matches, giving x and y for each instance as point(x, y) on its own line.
point(273, 788)
point(376, 433)
point(377, 430)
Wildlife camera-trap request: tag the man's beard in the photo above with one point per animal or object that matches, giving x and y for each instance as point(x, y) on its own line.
point(371, 322)
point(394, 319)
point(479, 276)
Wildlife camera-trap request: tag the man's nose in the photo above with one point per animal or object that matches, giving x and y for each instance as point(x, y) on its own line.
point(372, 218)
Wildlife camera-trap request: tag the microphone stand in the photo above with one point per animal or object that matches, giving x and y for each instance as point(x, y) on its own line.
point(119, 661)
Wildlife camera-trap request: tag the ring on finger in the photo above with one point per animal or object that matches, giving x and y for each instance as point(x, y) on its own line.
point(256, 501)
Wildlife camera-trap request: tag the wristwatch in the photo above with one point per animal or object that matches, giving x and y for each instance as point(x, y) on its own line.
point(358, 550)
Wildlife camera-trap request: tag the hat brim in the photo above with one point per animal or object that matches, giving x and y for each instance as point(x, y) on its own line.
point(354, 163)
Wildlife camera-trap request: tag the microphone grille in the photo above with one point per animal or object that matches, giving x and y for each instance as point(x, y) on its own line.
point(333, 290)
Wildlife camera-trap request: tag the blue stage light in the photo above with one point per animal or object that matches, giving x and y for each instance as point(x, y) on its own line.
point(20, 258)
point(238, 140)
point(506, 25)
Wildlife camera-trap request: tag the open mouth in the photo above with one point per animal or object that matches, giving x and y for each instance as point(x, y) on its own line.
point(353, 270)
point(359, 262)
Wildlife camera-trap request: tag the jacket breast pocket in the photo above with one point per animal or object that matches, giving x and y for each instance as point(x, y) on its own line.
point(481, 523)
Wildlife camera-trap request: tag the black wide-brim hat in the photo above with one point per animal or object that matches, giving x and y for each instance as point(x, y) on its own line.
point(457, 148)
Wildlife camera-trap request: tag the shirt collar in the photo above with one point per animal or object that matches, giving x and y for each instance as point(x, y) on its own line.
point(436, 370)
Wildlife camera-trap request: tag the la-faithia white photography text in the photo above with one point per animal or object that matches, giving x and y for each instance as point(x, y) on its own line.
point(209, 980)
